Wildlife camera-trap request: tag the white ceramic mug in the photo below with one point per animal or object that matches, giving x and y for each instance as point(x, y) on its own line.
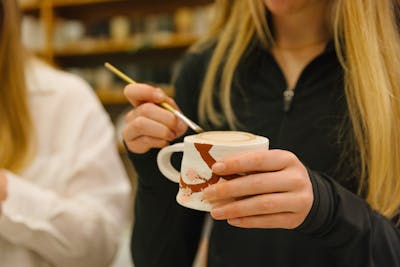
point(200, 152)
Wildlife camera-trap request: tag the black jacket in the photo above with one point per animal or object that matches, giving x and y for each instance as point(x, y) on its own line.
point(341, 229)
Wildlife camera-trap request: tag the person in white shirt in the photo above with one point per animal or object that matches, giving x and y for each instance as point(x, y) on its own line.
point(64, 194)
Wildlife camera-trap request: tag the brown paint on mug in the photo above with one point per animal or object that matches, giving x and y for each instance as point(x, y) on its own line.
point(204, 149)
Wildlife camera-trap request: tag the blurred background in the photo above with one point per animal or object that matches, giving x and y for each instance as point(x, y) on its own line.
point(146, 39)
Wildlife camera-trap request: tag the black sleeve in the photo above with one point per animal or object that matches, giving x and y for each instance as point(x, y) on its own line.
point(165, 233)
point(355, 234)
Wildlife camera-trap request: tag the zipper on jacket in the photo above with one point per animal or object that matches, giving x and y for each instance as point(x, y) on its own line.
point(288, 95)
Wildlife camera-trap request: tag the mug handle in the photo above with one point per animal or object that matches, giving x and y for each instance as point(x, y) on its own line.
point(164, 162)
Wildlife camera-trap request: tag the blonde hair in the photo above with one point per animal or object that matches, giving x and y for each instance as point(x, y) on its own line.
point(368, 46)
point(15, 120)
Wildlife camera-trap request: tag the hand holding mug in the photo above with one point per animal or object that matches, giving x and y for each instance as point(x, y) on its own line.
point(278, 193)
point(147, 124)
point(200, 152)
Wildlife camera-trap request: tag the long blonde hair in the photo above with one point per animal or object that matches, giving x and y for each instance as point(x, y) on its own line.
point(367, 42)
point(15, 121)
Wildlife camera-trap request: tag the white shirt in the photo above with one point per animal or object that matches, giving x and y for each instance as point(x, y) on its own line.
point(68, 207)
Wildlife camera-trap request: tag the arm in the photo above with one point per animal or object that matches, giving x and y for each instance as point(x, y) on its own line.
point(165, 233)
point(283, 194)
point(354, 233)
point(73, 220)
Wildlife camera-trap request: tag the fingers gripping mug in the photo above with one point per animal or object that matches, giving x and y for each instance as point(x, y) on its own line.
point(200, 152)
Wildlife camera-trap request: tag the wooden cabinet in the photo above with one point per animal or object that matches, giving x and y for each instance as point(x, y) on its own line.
point(144, 38)
point(123, 32)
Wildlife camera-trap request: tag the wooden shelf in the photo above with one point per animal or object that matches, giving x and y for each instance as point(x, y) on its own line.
point(130, 6)
point(79, 9)
point(30, 6)
point(105, 46)
point(75, 9)
point(89, 51)
point(61, 3)
point(35, 4)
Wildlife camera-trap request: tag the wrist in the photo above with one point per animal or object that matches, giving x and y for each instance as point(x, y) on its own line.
point(322, 210)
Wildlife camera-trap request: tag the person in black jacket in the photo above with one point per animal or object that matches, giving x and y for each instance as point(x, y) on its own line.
point(320, 79)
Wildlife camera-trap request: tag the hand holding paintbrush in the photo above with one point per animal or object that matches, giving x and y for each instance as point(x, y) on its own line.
point(155, 120)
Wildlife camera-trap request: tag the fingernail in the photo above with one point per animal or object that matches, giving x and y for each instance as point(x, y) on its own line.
point(217, 213)
point(209, 193)
point(158, 95)
point(218, 167)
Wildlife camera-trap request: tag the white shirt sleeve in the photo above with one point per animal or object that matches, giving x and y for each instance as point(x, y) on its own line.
point(65, 232)
point(70, 212)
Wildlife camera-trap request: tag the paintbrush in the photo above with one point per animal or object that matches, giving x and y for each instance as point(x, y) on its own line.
point(165, 105)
